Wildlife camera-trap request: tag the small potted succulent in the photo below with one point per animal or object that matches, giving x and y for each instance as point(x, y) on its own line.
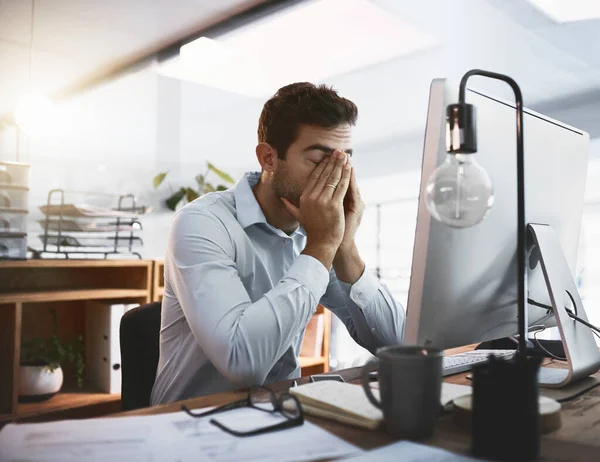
point(40, 374)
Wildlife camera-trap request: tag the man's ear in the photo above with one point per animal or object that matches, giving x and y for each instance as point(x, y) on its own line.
point(267, 156)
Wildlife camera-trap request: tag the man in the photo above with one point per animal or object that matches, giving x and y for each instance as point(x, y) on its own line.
point(245, 268)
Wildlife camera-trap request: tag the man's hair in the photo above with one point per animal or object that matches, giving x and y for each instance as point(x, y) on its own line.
point(302, 103)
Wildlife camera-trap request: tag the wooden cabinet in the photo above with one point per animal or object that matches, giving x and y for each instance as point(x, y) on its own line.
point(158, 280)
point(27, 290)
point(310, 364)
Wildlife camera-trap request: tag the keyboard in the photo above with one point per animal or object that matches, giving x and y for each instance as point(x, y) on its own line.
point(462, 362)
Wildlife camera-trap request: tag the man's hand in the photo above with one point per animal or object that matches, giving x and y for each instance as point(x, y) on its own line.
point(321, 210)
point(354, 208)
point(347, 263)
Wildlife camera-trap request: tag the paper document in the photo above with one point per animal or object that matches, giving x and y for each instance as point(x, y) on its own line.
point(87, 210)
point(174, 437)
point(407, 451)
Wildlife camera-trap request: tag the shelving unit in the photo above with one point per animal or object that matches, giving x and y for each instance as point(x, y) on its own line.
point(27, 290)
point(158, 280)
point(310, 364)
point(94, 231)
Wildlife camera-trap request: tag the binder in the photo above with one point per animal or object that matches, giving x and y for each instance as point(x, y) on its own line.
point(102, 345)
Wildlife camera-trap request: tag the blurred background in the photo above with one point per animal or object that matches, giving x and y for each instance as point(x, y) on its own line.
point(103, 96)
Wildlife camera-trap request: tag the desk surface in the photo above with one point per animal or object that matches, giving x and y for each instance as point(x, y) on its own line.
point(577, 440)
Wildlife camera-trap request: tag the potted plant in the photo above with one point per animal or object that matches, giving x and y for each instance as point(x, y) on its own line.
point(40, 374)
point(188, 194)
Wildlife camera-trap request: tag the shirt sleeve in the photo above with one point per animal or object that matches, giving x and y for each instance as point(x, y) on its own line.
point(243, 339)
point(368, 310)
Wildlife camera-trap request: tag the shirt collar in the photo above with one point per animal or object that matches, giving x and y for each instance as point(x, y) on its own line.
point(247, 207)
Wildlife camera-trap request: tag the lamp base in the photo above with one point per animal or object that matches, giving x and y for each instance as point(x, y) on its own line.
point(548, 413)
point(506, 409)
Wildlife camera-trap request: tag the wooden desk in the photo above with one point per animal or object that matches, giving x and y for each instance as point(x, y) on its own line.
point(577, 440)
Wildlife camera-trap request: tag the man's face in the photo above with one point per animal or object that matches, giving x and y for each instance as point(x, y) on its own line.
point(312, 145)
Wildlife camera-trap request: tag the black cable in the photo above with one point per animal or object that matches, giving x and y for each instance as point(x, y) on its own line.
point(540, 305)
point(594, 330)
point(585, 323)
point(569, 312)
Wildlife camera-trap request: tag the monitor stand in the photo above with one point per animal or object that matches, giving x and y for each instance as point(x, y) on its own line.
point(581, 351)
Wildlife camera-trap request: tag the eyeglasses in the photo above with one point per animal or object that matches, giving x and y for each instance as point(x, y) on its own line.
point(263, 399)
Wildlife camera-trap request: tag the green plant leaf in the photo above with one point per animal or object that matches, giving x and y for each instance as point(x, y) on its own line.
point(172, 201)
point(200, 180)
point(52, 353)
point(208, 188)
point(224, 176)
point(158, 179)
point(191, 194)
point(222, 188)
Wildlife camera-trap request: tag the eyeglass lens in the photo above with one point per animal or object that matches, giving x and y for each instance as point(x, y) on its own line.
point(263, 398)
point(289, 407)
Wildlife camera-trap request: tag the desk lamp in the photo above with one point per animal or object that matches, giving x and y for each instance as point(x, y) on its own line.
point(460, 195)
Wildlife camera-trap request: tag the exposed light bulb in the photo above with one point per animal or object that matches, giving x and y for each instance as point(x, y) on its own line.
point(459, 192)
point(34, 114)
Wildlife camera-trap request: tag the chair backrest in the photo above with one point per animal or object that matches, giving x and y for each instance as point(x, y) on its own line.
point(140, 340)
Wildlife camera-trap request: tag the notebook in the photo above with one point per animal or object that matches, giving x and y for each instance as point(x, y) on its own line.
point(450, 391)
point(348, 403)
point(344, 402)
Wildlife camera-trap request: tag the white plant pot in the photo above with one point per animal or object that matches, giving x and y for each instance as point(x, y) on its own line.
point(37, 383)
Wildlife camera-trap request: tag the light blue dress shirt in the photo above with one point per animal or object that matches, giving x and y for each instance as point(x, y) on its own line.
point(239, 294)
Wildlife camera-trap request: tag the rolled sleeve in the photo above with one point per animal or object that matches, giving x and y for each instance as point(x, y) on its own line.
point(363, 291)
point(310, 272)
point(371, 314)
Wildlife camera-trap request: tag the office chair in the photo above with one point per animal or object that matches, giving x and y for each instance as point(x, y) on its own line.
point(139, 337)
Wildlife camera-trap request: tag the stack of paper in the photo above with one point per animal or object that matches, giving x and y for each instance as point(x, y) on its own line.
point(86, 210)
point(174, 437)
point(407, 451)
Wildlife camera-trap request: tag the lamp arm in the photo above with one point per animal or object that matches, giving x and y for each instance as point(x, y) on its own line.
point(521, 223)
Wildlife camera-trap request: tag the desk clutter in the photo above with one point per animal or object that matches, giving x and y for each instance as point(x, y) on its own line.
point(169, 438)
point(73, 226)
point(14, 197)
point(178, 437)
point(348, 404)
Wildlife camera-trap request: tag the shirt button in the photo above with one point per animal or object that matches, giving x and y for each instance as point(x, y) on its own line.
point(288, 241)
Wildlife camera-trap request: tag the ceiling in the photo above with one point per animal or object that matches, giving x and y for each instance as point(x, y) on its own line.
point(556, 65)
point(77, 42)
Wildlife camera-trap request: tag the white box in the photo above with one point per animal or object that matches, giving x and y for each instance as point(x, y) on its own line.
point(13, 221)
point(13, 246)
point(102, 346)
point(14, 197)
point(14, 173)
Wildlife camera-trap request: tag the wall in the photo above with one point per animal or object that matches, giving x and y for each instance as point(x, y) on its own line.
point(117, 137)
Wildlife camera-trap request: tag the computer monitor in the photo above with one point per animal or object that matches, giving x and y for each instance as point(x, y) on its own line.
point(463, 284)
